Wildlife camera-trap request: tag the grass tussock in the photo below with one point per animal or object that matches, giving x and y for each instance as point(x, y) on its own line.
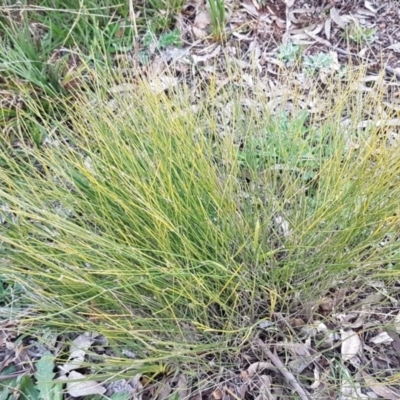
point(174, 224)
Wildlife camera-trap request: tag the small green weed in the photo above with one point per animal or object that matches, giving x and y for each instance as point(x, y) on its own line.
point(314, 63)
point(172, 38)
point(287, 140)
point(118, 38)
point(42, 387)
point(289, 52)
point(359, 34)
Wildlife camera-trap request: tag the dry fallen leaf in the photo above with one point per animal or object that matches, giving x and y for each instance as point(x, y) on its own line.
point(334, 14)
point(84, 388)
point(265, 388)
point(162, 83)
point(164, 391)
point(327, 28)
point(78, 349)
point(200, 24)
point(182, 387)
point(351, 344)
point(381, 338)
point(379, 389)
point(397, 323)
point(217, 394)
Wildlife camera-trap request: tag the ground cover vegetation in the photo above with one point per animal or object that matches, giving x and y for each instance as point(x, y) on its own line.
point(190, 211)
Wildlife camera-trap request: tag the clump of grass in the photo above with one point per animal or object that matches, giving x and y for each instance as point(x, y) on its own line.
point(218, 18)
point(173, 231)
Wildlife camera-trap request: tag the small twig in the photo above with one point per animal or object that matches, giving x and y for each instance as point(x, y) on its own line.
point(132, 18)
point(11, 376)
point(304, 395)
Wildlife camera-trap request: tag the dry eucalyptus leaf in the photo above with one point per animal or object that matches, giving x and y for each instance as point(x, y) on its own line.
point(182, 387)
point(217, 394)
point(164, 391)
point(351, 344)
point(382, 338)
point(395, 47)
point(334, 14)
point(84, 388)
point(397, 323)
point(250, 8)
point(200, 58)
point(317, 379)
point(78, 349)
point(201, 23)
point(202, 20)
point(379, 389)
point(199, 33)
point(302, 357)
point(369, 6)
point(163, 83)
point(327, 28)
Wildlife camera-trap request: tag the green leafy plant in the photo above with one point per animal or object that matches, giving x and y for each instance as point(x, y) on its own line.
point(43, 387)
point(44, 376)
point(289, 52)
point(316, 62)
point(172, 38)
point(286, 141)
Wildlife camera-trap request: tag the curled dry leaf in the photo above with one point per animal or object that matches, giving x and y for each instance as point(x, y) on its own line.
point(302, 357)
point(351, 344)
point(317, 379)
point(207, 56)
point(258, 367)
